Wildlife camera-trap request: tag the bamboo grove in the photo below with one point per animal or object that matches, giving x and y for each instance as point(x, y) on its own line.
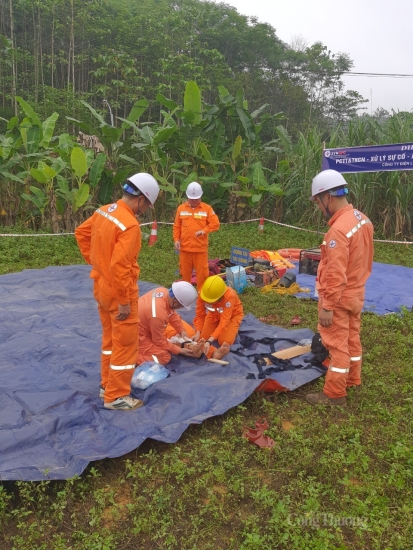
point(91, 91)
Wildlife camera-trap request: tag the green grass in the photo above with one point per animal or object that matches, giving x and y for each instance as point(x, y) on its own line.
point(336, 479)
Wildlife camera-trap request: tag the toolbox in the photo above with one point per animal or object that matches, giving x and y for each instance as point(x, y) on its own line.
point(265, 277)
point(309, 260)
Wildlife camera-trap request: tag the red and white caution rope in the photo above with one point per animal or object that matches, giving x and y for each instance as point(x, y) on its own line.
point(223, 223)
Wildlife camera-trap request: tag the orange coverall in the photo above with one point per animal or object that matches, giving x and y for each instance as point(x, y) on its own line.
point(220, 320)
point(110, 241)
point(154, 316)
point(345, 266)
point(193, 253)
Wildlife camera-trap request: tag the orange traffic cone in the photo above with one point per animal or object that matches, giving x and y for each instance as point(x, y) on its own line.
point(154, 234)
point(261, 226)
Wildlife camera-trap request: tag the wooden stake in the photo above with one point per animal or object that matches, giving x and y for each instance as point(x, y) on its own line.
point(218, 361)
point(290, 353)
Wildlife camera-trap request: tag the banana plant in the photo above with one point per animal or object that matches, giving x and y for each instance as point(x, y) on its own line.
point(110, 137)
point(78, 161)
point(25, 143)
point(43, 197)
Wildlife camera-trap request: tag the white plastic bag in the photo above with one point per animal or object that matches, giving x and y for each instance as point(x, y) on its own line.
point(148, 373)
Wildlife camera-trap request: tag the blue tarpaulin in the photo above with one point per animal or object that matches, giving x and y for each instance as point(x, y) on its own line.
point(53, 424)
point(388, 288)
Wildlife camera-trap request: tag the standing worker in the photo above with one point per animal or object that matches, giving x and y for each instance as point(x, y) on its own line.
point(219, 313)
point(346, 263)
point(110, 241)
point(193, 221)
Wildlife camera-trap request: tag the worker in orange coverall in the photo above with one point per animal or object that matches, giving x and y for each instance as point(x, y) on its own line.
point(346, 263)
point(157, 312)
point(219, 313)
point(159, 323)
point(193, 221)
point(110, 240)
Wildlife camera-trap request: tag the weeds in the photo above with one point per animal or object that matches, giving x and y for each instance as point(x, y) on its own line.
point(336, 479)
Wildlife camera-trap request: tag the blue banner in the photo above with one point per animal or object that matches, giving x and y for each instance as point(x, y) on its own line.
point(240, 256)
point(374, 158)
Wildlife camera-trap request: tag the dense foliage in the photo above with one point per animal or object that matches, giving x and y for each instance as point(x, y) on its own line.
point(57, 51)
point(93, 91)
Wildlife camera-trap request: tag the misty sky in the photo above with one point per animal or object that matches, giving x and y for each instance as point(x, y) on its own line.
point(377, 35)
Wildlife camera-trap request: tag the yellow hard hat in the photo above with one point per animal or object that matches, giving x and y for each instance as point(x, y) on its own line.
point(213, 289)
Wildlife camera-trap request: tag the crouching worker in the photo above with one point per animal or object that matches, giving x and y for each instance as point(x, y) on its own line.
point(159, 321)
point(219, 313)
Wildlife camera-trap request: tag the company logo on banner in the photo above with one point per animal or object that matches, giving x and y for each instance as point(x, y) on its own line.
point(375, 158)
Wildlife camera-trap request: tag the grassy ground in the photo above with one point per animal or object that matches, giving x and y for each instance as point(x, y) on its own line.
point(336, 479)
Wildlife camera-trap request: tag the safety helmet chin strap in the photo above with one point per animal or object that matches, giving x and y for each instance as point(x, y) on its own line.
point(328, 214)
point(338, 193)
point(139, 197)
point(173, 297)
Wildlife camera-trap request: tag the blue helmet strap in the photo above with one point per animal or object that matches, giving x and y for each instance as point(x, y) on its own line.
point(339, 192)
point(131, 190)
point(171, 294)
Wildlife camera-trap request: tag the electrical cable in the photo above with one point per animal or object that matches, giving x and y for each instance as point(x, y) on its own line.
point(294, 288)
point(346, 73)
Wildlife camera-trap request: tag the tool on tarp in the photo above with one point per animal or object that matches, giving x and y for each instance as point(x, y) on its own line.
point(290, 353)
point(218, 361)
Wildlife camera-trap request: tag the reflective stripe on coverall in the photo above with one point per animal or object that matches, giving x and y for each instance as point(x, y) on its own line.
point(110, 241)
point(193, 253)
point(220, 320)
point(154, 316)
point(346, 263)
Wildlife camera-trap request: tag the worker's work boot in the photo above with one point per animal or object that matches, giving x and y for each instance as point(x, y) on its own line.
point(101, 392)
point(323, 399)
point(126, 403)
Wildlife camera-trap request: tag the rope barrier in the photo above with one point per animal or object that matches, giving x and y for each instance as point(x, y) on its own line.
point(35, 234)
point(223, 223)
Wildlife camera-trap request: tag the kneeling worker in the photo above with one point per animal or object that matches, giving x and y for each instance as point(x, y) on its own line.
point(159, 324)
point(157, 311)
point(219, 313)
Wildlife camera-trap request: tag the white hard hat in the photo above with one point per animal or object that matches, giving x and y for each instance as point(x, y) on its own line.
point(194, 190)
point(325, 180)
point(185, 293)
point(146, 184)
